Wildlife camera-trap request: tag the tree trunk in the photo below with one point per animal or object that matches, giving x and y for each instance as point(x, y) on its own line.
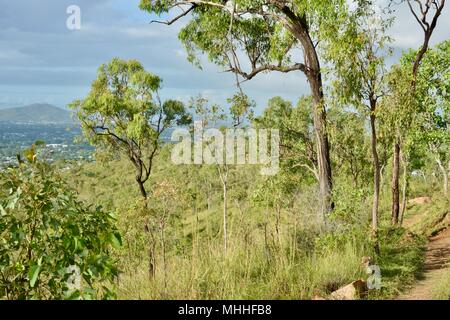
point(404, 190)
point(151, 258)
point(444, 174)
point(225, 209)
point(381, 175)
point(141, 187)
point(151, 255)
point(163, 248)
point(298, 25)
point(266, 236)
point(376, 173)
point(395, 176)
point(323, 148)
point(277, 225)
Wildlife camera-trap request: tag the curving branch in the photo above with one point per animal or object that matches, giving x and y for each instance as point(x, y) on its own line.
point(178, 17)
point(257, 70)
point(427, 20)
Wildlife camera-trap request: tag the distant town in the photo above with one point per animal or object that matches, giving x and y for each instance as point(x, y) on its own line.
point(59, 141)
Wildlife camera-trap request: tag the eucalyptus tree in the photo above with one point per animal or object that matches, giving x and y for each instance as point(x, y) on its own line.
point(426, 13)
point(298, 159)
point(351, 150)
point(420, 120)
point(359, 63)
point(123, 114)
point(433, 89)
point(297, 146)
point(397, 112)
point(252, 37)
point(213, 145)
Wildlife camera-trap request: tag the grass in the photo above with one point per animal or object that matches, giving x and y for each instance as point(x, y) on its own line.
point(435, 216)
point(402, 254)
point(251, 274)
point(400, 261)
point(442, 292)
point(298, 262)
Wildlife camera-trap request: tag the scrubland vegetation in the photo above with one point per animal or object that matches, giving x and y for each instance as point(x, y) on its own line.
point(352, 153)
point(285, 254)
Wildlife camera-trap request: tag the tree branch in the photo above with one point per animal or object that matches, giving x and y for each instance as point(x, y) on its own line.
point(256, 71)
point(178, 17)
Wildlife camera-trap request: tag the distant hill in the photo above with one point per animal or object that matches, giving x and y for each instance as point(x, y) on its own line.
point(36, 113)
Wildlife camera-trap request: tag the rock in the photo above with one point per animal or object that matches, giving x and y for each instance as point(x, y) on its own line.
point(420, 200)
point(317, 297)
point(355, 290)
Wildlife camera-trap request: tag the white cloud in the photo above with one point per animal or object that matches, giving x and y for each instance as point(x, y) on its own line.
point(41, 60)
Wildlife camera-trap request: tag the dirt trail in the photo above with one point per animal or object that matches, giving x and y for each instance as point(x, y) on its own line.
point(437, 260)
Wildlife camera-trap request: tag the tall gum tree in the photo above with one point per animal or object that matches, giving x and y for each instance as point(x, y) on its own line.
point(249, 37)
point(433, 105)
point(359, 64)
point(123, 114)
point(426, 13)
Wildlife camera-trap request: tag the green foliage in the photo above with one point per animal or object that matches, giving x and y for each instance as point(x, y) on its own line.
point(398, 109)
point(351, 206)
point(433, 95)
point(123, 107)
point(222, 30)
point(298, 148)
point(434, 218)
point(400, 261)
point(277, 244)
point(47, 234)
point(442, 292)
point(241, 108)
point(358, 53)
point(124, 114)
point(350, 146)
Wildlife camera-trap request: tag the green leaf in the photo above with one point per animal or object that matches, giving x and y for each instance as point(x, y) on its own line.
point(39, 143)
point(2, 211)
point(33, 274)
point(14, 199)
point(116, 240)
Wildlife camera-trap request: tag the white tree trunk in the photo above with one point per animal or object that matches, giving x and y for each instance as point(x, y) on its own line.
point(444, 174)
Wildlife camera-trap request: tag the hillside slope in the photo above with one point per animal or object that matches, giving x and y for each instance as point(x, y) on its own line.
point(36, 113)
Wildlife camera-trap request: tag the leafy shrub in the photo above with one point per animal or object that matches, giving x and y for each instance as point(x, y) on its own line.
point(51, 245)
point(351, 206)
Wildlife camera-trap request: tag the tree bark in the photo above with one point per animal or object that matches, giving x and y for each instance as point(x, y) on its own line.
point(298, 25)
point(323, 148)
point(163, 248)
point(142, 188)
point(444, 174)
point(404, 190)
point(376, 171)
point(395, 176)
point(151, 265)
point(428, 31)
point(225, 213)
point(278, 225)
point(151, 254)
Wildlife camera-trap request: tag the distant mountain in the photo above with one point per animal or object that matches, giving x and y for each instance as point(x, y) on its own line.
point(36, 113)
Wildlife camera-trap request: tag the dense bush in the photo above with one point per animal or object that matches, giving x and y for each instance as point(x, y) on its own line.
point(51, 245)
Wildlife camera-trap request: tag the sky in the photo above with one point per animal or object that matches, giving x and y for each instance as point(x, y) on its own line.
point(42, 61)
